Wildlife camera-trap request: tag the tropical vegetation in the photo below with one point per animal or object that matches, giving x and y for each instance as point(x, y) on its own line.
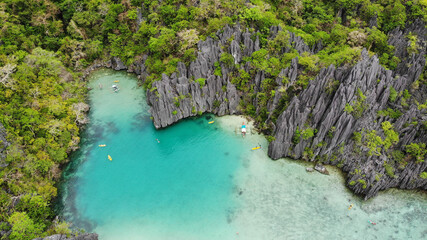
point(46, 45)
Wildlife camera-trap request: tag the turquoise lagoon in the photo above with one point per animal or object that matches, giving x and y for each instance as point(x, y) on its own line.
point(203, 181)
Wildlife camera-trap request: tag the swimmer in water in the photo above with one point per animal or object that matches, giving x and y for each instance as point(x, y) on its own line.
point(157, 140)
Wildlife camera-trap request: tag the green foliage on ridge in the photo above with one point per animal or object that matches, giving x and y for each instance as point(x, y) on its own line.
point(45, 45)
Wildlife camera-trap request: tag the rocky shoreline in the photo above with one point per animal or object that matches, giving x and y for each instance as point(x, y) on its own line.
point(318, 107)
point(315, 107)
point(84, 236)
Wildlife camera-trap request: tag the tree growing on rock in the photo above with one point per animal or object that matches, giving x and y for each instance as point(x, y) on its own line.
point(188, 39)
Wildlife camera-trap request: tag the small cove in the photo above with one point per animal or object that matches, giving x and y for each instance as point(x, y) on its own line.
point(202, 181)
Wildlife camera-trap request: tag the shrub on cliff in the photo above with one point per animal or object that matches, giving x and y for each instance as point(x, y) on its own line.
point(201, 81)
point(417, 151)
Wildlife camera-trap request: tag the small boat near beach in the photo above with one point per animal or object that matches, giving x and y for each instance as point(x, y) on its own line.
point(255, 148)
point(116, 81)
point(102, 145)
point(110, 158)
point(211, 122)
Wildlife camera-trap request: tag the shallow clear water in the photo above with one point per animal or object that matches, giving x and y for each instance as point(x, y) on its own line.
point(202, 181)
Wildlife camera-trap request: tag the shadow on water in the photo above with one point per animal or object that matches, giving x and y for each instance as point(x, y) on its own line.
point(230, 215)
point(67, 194)
point(112, 128)
point(141, 117)
point(97, 133)
point(68, 185)
point(140, 121)
point(245, 162)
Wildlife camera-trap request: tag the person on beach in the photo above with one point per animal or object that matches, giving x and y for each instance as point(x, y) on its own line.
point(243, 129)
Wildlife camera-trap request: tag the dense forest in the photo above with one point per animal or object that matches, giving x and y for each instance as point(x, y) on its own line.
point(47, 44)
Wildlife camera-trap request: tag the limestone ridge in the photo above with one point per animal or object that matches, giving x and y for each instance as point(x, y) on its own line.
point(317, 108)
point(180, 96)
point(320, 106)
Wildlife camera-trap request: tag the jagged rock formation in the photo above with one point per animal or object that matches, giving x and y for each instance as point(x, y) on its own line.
point(317, 108)
point(180, 96)
point(85, 236)
point(320, 106)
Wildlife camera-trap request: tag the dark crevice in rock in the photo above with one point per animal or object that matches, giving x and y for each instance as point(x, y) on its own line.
point(320, 106)
point(333, 143)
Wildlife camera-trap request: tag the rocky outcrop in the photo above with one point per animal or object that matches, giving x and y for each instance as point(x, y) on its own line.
point(197, 89)
point(84, 236)
point(338, 103)
point(117, 64)
point(184, 94)
point(138, 67)
point(366, 86)
point(317, 108)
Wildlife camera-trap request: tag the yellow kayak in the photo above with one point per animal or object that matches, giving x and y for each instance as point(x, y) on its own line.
point(211, 122)
point(117, 81)
point(102, 145)
point(255, 148)
point(110, 158)
point(351, 205)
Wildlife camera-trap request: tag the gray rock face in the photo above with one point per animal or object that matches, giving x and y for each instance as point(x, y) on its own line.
point(196, 89)
point(117, 64)
point(319, 107)
point(85, 236)
point(296, 42)
point(181, 95)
